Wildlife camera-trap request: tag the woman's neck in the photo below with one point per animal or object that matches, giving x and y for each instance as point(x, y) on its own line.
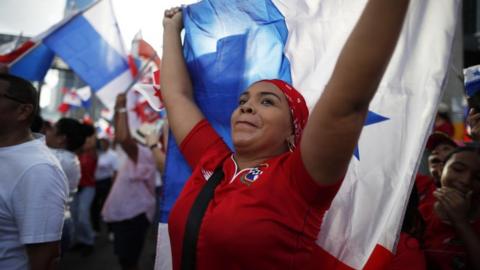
point(244, 162)
point(249, 158)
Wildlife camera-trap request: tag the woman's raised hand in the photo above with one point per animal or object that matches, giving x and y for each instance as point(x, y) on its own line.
point(177, 91)
point(173, 18)
point(121, 101)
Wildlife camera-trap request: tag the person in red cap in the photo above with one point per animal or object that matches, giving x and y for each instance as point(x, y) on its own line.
point(261, 206)
point(440, 145)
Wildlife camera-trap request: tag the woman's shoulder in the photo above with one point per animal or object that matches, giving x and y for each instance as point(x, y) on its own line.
point(213, 158)
point(290, 165)
point(202, 142)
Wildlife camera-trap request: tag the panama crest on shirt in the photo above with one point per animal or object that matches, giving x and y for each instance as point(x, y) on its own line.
point(252, 175)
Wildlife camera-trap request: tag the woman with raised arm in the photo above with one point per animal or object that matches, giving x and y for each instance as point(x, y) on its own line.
point(130, 205)
point(261, 206)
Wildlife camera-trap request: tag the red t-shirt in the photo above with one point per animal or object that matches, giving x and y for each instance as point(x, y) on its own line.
point(262, 218)
point(425, 188)
point(88, 165)
point(443, 248)
point(409, 255)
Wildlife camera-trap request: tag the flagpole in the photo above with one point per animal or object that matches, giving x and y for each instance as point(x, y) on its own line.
point(40, 86)
point(18, 41)
point(140, 72)
point(458, 73)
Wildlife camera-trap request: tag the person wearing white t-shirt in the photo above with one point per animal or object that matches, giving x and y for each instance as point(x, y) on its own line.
point(67, 137)
point(71, 167)
point(107, 167)
point(33, 188)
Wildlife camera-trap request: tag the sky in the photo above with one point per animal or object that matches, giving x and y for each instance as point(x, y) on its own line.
point(31, 17)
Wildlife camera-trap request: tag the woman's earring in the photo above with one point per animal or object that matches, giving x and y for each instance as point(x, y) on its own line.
point(291, 145)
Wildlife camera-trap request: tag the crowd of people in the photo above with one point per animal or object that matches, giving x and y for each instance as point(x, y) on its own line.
point(60, 183)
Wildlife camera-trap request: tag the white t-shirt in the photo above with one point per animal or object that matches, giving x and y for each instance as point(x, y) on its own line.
point(33, 192)
point(107, 164)
point(71, 167)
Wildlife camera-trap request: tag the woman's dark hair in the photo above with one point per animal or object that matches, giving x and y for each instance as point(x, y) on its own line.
point(75, 132)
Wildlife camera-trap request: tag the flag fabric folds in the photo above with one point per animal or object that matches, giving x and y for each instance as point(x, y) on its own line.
point(31, 60)
point(10, 46)
point(91, 44)
point(144, 59)
point(151, 92)
point(230, 44)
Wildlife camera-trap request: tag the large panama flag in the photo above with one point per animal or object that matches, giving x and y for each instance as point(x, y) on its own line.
point(230, 44)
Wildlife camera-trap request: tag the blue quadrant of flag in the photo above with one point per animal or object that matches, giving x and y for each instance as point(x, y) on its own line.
point(87, 52)
point(34, 64)
point(372, 118)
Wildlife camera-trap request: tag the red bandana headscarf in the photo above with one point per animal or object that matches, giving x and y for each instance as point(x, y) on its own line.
point(298, 107)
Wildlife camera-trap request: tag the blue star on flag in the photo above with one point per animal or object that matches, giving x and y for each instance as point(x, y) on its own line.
point(372, 118)
point(477, 72)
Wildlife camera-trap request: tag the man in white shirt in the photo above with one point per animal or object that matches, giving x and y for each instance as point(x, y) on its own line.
point(33, 188)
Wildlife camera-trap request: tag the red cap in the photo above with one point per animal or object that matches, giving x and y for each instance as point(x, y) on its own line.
point(437, 138)
point(296, 103)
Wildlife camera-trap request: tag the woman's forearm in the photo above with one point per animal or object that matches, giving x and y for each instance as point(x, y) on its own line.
point(122, 129)
point(366, 54)
point(176, 86)
point(337, 119)
point(175, 76)
point(122, 132)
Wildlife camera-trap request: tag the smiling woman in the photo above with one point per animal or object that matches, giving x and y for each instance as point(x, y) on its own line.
point(274, 189)
point(259, 124)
